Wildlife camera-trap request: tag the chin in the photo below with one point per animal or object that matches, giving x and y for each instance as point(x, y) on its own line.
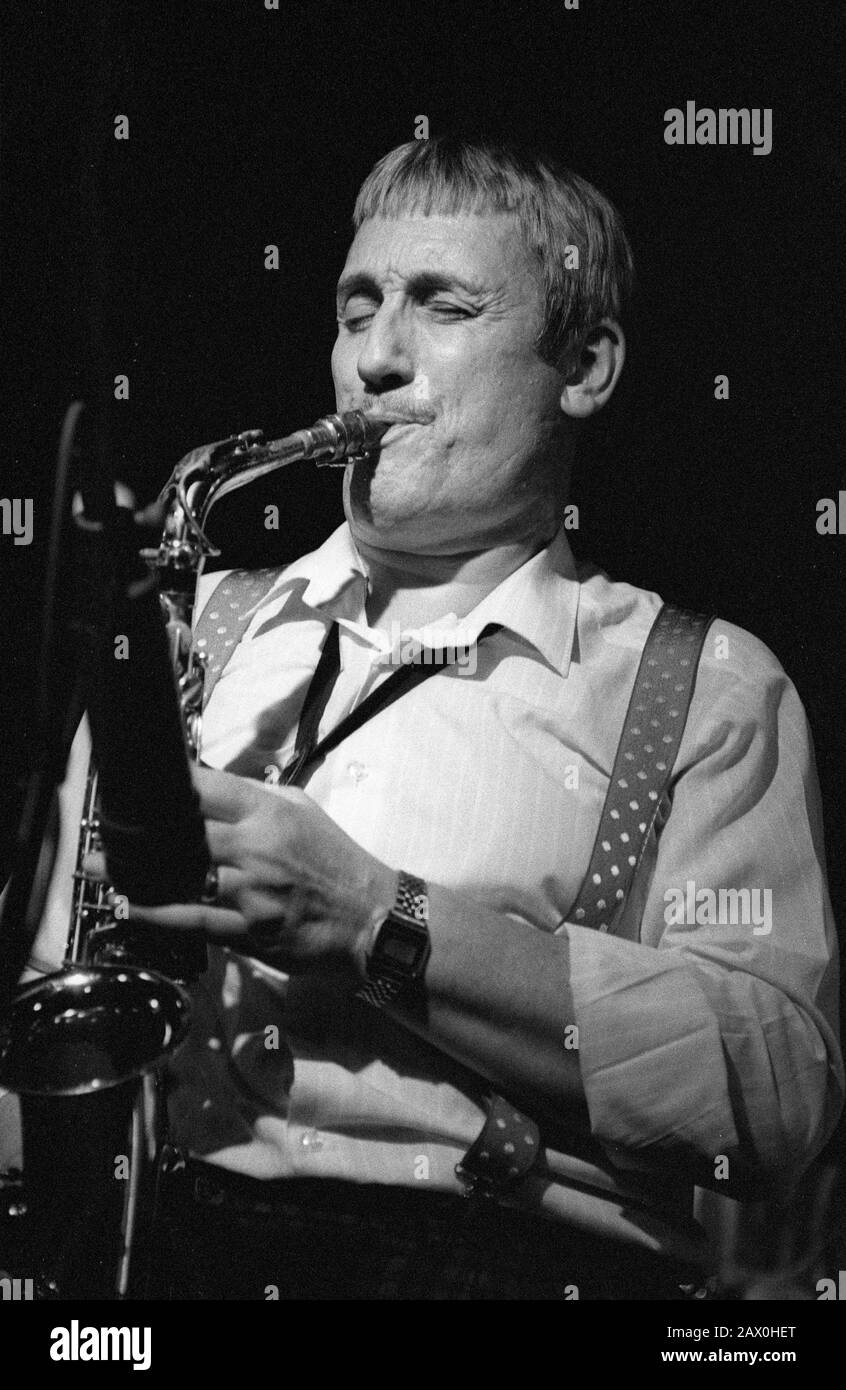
point(384, 495)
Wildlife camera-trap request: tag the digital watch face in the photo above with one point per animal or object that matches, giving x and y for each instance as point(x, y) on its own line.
point(401, 946)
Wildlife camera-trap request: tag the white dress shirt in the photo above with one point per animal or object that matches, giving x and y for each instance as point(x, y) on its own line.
point(693, 1039)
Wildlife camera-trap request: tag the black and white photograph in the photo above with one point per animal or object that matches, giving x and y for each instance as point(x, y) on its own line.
point(423, 732)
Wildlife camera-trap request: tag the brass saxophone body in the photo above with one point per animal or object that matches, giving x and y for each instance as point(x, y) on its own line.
point(201, 479)
point(108, 1019)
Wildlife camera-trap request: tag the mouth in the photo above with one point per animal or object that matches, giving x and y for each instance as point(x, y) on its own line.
point(392, 418)
point(389, 424)
point(393, 429)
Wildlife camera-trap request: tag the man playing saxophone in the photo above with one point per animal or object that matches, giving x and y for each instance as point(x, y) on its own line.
point(394, 927)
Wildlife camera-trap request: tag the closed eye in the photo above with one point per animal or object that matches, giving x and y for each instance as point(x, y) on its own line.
point(446, 310)
point(355, 323)
point(357, 312)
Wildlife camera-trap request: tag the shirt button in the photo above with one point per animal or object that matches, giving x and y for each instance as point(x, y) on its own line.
point(357, 772)
point(311, 1140)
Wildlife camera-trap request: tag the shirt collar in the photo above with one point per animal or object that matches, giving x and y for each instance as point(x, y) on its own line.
point(539, 601)
point(331, 579)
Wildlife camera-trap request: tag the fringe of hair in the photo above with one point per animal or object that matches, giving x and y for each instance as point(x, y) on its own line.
point(555, 209)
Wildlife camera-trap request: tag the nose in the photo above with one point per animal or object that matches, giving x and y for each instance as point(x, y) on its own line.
point(385, 358)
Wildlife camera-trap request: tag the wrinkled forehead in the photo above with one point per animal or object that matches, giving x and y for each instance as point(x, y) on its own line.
point(485, 250)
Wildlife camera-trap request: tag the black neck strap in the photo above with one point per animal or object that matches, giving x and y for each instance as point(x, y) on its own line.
point(308, 748)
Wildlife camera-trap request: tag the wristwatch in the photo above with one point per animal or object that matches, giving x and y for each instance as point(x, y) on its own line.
point(399, 945)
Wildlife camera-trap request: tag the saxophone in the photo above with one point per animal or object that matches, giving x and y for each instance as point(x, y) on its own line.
point(103, 1025)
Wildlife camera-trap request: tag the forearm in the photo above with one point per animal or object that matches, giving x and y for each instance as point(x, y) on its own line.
point(542, 1017)
point(496, 997)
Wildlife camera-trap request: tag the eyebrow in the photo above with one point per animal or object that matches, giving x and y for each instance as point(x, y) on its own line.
point(424, 282)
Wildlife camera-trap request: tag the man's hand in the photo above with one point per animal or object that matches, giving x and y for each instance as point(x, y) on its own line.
point(497, 994)
point(281, 862)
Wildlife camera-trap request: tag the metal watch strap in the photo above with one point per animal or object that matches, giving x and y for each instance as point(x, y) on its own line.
point(412, 901)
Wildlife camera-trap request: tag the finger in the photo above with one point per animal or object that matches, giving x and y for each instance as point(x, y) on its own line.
point(94, 865)
point(226, 845)
point(228, 882)
point(222, 840)
point(191, 917)
point(223, 796)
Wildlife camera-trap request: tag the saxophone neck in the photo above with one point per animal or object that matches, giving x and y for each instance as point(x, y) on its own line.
point(208, 474)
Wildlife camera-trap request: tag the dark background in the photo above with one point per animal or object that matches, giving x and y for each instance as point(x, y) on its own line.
point(249, 127)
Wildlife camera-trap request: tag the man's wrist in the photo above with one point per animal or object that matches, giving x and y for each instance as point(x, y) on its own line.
point(380, 900)
point(398, 949)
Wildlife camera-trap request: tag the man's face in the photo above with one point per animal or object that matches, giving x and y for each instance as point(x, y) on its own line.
point(438, 317)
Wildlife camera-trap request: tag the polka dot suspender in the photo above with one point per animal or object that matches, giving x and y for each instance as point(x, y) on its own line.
point(649, 743)
point(225, 619)
point(510, 1142)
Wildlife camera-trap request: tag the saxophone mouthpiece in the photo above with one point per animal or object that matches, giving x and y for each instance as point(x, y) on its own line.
point(373, 428)
point(339, 439)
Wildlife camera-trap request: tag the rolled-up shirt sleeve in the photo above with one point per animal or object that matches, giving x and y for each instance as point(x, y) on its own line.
point(702, 1036)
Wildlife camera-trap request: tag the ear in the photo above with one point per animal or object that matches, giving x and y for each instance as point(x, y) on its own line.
point(593, 376)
